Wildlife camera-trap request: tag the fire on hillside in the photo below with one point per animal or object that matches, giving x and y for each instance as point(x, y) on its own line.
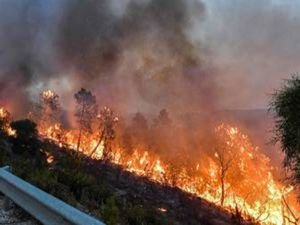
point(235, 174)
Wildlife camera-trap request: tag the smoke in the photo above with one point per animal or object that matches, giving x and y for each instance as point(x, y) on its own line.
point(25, 51)
point(133, 54)
point(254, 45)
point(145, 55)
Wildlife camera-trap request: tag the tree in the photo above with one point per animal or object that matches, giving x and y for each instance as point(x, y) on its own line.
point(50, 108)
point(138, 130)
point(162, 119)
point(26, 137)
point(85, 112)
point(162, 133)
point(139, 122)
point(226, 154)
point(5, 119)
point(286, 105)
point(224, 161)
point(107, 132)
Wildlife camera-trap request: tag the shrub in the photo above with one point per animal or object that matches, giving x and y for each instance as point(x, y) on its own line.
point(138, 215)
point(76, 180)
point(94, 195)
point(110, 211)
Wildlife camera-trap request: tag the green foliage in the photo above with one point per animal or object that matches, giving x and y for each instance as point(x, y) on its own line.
point(94, 195)
point(43, 179)
point(47, 180)
point(110, 211)
point(72, 161)
point(22, 166)
point(286, 105)
point(4, 156)
point(76, 180)
point(26, 140)
point(25, 129)
point(138, 215)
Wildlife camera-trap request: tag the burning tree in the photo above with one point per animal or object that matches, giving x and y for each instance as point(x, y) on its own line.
point(225, 162)
point(226, 155)
point(136, 133)
point(50, 108)
point(85, 112)
point(161, 132)
point(4, 121)
point(107, 132)
point(139, 123)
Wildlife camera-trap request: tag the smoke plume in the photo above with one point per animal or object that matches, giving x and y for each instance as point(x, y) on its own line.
point(150, 54)
point(134, 55)
point(131, 53)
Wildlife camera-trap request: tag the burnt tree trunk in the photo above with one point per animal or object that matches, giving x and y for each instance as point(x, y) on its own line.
point(222, 187)
point(99, 142)
point(80, 129)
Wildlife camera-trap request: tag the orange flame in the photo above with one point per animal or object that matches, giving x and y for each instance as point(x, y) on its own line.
point(249, 183)
point(5, 118)
point(256, 193)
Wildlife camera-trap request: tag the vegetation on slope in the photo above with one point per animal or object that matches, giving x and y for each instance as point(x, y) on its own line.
point(115, 196)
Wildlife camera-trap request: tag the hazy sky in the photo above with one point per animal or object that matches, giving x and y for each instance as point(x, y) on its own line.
point(255, 44)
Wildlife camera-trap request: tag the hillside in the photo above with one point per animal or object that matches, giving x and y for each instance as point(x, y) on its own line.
point(108, 192)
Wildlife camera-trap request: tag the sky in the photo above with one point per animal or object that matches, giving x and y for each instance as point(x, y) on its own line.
point(256, 44)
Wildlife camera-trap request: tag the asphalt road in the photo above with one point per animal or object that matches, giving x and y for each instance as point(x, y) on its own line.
point(10, 214)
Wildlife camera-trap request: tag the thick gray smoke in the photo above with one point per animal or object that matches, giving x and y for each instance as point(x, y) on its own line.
point(25, 51)
point(136, 55)
point(143, 55)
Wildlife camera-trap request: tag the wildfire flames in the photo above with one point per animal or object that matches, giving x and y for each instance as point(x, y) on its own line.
point(5, 120)
point(236, 175)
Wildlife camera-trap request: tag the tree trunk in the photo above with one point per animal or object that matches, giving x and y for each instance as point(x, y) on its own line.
point(107, 150)
point(222, 189)
point(99, 142)
point(79, 140)
point(80, 130)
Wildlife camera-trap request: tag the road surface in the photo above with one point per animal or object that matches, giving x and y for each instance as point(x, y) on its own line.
point(10, 214)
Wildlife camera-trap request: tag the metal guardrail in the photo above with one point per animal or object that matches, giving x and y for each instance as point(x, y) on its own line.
point(42, 206)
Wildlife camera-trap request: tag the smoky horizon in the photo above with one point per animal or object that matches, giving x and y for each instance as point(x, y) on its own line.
point(192, 55)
